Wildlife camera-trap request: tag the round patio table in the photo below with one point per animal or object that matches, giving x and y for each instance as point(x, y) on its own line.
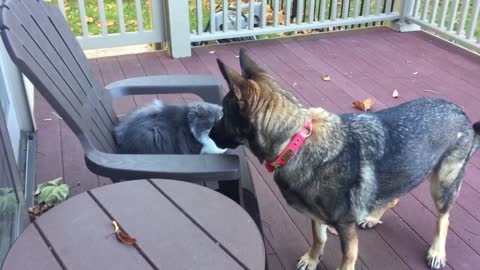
point(177, 225)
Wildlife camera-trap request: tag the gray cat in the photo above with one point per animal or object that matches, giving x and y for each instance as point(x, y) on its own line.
point(169, 129)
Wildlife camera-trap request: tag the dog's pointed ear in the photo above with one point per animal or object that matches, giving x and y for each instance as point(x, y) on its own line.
point(234, 79)
point(249, 67)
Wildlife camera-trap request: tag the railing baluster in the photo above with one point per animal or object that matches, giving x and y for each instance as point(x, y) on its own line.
point(453, 14)
point(238, 22)
point(434, 11)
point(388, 7)
point(416, 8)
point(276, 10)
point(103, 17)
point(264, 14)
point(213, 17)
point(443, 15)
point(463, 17)
point(311, 9)
point(346, 8)
point(333, 6)
point(299, 16)
point(367, 8)
point(83, 17)
point(323, 6)
point(473, 23)
point(138, 7)
point(199, 10)
point(121, 17)
point(251, 15)
point(379, 5)
point(225, 15)
point(356, 10)
point(288, 11)
point(425, 10)
point(61, 6)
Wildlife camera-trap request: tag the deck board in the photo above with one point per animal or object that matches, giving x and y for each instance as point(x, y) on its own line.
point(362, 64)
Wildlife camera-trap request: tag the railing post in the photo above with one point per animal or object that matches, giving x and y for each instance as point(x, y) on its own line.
point(177, 25)
point(405, 7)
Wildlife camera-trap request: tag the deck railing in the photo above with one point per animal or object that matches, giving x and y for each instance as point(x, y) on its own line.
point(106, 23)
point(279, 16)
point(457, 20)
point(111, 23)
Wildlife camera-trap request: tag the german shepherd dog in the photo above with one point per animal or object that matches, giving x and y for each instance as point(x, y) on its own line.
point(352, 165)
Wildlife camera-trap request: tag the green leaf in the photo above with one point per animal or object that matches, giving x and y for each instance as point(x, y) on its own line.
point(8, 200)
point(52, 192)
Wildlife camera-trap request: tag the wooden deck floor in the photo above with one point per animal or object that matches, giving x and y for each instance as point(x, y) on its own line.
point(362, 64)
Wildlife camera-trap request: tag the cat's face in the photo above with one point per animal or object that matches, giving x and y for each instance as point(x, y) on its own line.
point(203, 116)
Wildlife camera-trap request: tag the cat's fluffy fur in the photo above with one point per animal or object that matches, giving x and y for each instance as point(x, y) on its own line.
point(169, 129)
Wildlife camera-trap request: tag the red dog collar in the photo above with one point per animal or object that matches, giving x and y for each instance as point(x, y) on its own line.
point(291, 149)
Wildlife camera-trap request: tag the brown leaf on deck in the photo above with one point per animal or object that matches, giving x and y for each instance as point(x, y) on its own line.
point(365, 105)
point(395, 94)
point(326, 78)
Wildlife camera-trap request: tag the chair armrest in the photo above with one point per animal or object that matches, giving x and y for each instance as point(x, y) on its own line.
point(192, 168)
point(207, 87)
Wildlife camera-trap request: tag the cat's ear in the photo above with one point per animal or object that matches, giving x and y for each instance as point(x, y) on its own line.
point(201, 110)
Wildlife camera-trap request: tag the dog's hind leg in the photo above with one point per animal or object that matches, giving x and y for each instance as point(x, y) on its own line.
point(349, 243)
point(446, 181)
point(374, 217)
point(310, 260)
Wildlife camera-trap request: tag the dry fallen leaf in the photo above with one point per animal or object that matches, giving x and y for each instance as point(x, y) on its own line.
point(395, 94)
point(89, 20)
point(122, 236)
point(365, 105)
point(110, 23)
point(326, 78)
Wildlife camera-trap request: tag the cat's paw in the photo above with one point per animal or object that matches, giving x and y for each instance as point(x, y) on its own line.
point(212, 150)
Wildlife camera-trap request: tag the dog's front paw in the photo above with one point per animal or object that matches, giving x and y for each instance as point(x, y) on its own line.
point(436, 260)
point(369, 223)
point(307, 263)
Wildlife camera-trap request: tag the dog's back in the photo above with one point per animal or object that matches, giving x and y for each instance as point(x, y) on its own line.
point(407, 143)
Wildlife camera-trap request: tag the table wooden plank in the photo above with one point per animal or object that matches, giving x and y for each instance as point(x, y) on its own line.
point(163, 233)
point(30, 252)
point(236, 236)
point(82, 235)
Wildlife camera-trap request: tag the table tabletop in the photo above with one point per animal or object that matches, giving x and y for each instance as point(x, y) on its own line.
point(177, 225)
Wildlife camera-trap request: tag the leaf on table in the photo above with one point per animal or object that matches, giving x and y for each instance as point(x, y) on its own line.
point(395, 93)
point(326, 78)
point(122, 236)
point(38, 209)
point(52, 192)
point(365, 105)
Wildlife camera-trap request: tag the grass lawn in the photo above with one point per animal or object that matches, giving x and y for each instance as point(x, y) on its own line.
point(131, 23)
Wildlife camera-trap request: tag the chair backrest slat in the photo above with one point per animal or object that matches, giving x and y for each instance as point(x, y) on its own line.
point(41, 43)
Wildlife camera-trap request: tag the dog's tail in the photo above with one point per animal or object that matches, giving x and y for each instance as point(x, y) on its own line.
point(476, 137)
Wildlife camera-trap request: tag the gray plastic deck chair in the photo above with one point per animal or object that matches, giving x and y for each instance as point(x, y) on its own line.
point(41, 44)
